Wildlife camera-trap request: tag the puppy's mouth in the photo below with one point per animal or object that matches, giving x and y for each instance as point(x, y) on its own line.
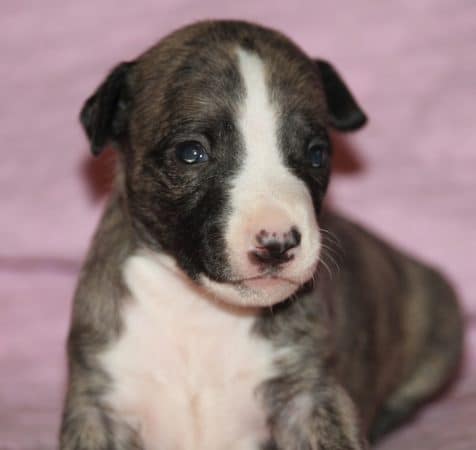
point(262, 281)
point(269, 280)
point(258, 290)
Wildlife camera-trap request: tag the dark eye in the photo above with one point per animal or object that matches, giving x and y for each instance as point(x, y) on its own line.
point(318, 153)
point(191, 152)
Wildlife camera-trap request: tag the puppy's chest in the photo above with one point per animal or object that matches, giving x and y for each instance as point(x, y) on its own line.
point(184, 372)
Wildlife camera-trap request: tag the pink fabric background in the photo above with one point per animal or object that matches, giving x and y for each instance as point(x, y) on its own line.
point(410, 174)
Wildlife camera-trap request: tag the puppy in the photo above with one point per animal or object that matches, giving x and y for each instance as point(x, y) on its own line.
point(203, 318)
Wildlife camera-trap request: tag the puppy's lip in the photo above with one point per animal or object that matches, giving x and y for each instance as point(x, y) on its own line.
point(274, 277)
point(270, 283)
point(263, 279)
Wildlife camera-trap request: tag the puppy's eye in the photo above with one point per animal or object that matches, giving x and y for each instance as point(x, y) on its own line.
point(318, 154)
point(191, 152)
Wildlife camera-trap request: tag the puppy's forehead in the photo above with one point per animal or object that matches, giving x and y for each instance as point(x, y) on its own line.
point(197, 74)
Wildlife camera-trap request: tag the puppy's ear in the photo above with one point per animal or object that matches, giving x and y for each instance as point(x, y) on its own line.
point(104, 115)
point(344, 112)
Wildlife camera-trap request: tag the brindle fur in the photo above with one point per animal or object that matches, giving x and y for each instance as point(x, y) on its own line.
point(381, 325)
point(367, 341)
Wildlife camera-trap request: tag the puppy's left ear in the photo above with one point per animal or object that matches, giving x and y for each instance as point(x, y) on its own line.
point(104, 116)
point(344, 112)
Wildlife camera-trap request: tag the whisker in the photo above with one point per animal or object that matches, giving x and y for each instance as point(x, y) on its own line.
point(331, 252)
point(314, 279)
point(329, 235)
point(331, 258)
point(326, 267)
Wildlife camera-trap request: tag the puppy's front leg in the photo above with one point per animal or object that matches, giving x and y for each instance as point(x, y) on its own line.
point(87, 423)
point(321, 418)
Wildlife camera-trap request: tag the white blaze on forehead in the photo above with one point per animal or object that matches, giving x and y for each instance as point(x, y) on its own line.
point(258, 118)
point(264, 195)
point(263, 172)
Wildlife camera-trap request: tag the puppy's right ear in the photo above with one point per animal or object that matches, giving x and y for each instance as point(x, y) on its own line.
point(105, 114)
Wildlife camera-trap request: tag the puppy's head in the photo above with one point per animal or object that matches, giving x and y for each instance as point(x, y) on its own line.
point(222, 131)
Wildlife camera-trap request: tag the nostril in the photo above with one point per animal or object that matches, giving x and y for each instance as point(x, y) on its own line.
point(294, 238)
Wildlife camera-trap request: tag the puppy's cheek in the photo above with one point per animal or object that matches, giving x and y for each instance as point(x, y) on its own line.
point(214, 260)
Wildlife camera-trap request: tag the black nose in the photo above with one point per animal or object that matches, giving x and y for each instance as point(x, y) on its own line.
point(272, 249)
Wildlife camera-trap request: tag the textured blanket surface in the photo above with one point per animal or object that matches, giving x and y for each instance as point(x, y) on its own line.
point(410, 175)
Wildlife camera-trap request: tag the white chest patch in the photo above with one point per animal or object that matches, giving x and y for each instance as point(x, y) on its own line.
point(185, 369)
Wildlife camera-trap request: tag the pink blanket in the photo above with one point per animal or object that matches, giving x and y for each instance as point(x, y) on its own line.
point(410, 174)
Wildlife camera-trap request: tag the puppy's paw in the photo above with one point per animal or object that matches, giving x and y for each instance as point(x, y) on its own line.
point(96, 431)
point(328, 422)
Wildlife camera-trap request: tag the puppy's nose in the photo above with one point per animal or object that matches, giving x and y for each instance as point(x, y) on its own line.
point(273, 248)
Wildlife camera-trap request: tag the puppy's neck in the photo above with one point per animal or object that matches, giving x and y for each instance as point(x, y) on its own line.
point(159, 273)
